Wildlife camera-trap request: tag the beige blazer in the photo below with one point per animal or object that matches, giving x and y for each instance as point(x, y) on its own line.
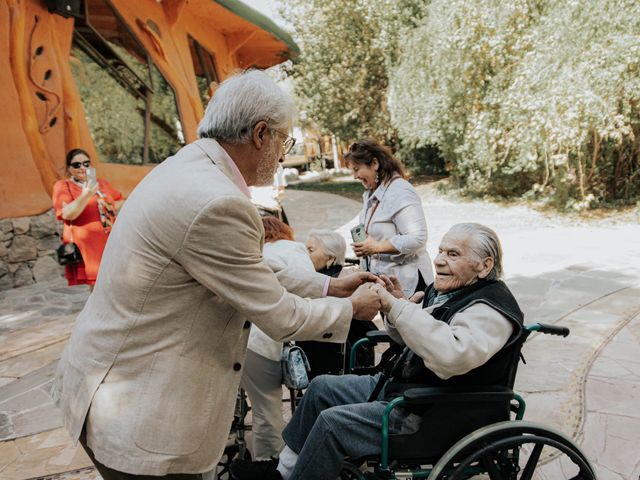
point(154, 361)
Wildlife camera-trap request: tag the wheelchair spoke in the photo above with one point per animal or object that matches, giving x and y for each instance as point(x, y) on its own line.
point(488, 461)
point(488, 452)
point(351, 472)
point(530, 467)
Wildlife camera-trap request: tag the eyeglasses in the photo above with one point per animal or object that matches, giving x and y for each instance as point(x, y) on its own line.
point(288, 142)
point(86, 164)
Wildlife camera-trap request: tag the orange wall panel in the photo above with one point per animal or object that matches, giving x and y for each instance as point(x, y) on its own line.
point(21, 187)
point(42, 115)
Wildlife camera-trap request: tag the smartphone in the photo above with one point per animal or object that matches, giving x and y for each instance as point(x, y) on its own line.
point(91, 176)
point(358, 234)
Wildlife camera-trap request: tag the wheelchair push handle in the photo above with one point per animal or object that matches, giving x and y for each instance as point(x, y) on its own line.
point(549, 329)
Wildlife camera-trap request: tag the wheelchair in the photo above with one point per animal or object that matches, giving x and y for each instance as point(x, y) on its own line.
point(469, 433)
point(325, 358)
point(236, 446)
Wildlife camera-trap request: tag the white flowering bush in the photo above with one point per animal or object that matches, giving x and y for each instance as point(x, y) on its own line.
point(526, 96)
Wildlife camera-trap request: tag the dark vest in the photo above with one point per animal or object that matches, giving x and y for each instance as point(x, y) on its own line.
point(498, 370)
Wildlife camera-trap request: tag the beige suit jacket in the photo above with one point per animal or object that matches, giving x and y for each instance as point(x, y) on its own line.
point(154, 361)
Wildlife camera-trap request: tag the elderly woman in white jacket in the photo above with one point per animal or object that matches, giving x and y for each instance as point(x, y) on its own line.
point(392, 216)
point(262, 376)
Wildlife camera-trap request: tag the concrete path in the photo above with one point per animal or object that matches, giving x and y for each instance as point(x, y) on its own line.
point(585, 275)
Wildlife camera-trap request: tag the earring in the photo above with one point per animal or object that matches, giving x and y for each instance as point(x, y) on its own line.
point(377, 178)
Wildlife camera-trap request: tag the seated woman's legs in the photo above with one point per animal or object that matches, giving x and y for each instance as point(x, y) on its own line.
point(262, 380)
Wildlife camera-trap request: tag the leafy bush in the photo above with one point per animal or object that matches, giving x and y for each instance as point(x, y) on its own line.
point(530, 96)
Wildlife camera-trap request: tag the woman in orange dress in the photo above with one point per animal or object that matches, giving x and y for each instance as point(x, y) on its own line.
point(88, 211)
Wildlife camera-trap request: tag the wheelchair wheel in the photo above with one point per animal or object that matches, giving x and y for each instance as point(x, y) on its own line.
point(231, 452)
point(512, 450)
point(351, 472)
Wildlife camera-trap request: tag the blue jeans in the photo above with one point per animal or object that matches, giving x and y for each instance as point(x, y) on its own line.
point(332, 422)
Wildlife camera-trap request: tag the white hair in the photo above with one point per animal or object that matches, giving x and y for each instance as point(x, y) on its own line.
point(485, 244)
point(240, 102)
point(331, 242)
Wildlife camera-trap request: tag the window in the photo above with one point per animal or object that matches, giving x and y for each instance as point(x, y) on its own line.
point(204, 65)
point(130, 107)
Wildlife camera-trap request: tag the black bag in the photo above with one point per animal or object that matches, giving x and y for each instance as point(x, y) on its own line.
point(68, 254)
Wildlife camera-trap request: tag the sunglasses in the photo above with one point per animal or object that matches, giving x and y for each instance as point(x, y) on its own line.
point(86, 164)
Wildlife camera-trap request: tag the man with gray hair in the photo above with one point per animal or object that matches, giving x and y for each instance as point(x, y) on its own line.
point(464, 334)
point(148, 380)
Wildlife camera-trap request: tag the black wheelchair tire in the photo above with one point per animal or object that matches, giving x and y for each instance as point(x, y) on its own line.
point(351, 472)
point(488, 445)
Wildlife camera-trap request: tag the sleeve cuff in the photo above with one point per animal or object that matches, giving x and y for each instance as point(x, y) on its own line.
point(397, 306)
point(325, 290)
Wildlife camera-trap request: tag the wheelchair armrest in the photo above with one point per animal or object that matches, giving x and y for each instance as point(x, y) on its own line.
point(379, 336)
point(430, 395)
point(352, 261)
point(549, 329)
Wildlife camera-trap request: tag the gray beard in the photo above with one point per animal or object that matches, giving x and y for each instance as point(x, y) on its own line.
point(267, 168)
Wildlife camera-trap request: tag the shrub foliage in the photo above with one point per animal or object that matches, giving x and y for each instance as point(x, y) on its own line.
point(535, 97)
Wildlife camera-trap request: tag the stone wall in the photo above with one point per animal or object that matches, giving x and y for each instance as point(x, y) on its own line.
point(27, 250)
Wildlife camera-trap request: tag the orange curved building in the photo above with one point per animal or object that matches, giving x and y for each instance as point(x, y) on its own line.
point(144, 47)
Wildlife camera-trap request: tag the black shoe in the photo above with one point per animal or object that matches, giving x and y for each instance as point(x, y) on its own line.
point(259, 470)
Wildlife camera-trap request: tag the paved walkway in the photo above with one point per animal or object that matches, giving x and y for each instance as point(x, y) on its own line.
point(585, 275)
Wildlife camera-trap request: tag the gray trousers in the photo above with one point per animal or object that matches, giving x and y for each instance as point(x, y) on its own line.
point(262, 380)
point(332, 422)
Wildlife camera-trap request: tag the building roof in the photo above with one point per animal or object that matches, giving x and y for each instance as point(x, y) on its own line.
point(242, 10)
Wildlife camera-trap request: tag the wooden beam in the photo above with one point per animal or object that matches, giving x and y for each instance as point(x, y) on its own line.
point(173, 10)
point(235, 41)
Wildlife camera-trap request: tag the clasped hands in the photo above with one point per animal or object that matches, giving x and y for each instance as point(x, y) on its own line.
point(378, 295)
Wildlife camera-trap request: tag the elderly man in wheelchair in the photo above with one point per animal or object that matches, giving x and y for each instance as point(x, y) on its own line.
point(454, 376)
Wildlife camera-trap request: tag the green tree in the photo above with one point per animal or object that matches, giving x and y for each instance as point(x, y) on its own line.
point(341, 77)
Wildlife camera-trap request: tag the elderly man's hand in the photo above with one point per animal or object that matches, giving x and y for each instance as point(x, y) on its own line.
point(394, 289)
point(392, 284)
point(345, 286)
point(366, 301)
point(385, 299)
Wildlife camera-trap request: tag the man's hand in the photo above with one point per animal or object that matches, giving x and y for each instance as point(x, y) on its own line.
point(394, 289)
point(365, 301)
point(392, 284)
point(416, 297)
point(385, 299)
point(345, 286)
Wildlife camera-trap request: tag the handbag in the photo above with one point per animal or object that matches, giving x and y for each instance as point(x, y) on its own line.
point(295, 367)
point(68, 253)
